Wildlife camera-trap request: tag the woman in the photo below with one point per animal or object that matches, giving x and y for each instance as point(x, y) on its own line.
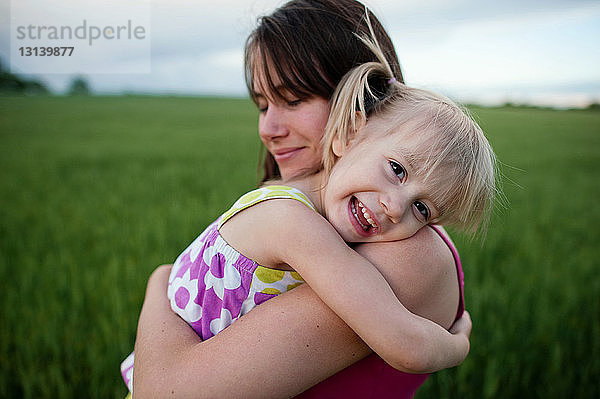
point(294, 60)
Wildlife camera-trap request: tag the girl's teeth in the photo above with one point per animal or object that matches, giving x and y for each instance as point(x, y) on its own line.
point(366, 214)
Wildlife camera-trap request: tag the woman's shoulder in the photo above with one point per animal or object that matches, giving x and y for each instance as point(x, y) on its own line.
point(422, 271)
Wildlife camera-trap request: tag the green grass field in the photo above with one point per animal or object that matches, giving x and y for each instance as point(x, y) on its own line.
point(96, 192)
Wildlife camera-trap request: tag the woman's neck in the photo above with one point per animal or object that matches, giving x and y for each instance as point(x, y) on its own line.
point(312, 186)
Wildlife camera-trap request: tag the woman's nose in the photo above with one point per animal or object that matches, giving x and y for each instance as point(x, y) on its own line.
point(272, 124)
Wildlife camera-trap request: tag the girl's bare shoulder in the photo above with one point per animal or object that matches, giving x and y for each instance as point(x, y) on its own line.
point(263, 231)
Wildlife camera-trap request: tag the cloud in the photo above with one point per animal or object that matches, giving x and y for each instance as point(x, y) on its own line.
point(454, 46)
point(508, 54)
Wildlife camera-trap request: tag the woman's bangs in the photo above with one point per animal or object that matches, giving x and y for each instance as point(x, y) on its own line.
point(279, 80)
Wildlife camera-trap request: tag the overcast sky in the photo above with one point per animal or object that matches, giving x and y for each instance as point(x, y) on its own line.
point(527, 51)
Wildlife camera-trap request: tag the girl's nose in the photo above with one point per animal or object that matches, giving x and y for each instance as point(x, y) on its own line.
point(394, 206)
point(272, 124)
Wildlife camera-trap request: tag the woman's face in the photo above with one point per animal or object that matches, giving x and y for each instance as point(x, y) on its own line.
point(291, 130)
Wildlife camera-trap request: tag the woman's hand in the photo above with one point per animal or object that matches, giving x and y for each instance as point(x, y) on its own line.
point(162, 337)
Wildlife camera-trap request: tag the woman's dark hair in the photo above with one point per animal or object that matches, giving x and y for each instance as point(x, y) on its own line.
point(309, 45)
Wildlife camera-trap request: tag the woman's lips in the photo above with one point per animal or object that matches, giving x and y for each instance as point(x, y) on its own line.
point(286, 153)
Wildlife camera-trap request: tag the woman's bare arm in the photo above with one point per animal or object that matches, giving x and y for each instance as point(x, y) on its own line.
point(251, 360)
point(304, 341)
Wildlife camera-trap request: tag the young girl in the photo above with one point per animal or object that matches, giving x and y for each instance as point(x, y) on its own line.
point(395, 160)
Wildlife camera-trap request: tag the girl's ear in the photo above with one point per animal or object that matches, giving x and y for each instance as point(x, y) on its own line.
point(340, 144)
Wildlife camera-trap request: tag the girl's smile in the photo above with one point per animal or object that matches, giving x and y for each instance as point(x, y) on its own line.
point(362, 218)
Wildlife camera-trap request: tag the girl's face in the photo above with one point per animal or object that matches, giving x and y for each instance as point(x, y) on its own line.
point(373, 192)
point(291, 130)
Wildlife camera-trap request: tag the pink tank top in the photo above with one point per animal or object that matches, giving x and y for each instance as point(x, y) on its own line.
point(372, 377)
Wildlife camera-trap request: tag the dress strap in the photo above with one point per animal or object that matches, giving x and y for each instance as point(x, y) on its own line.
point(263, 194)
point(459, 270)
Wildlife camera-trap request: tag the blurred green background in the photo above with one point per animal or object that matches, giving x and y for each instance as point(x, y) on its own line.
point(95, 192)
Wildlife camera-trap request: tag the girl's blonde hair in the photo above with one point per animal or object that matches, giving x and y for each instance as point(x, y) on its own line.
point(452, 153)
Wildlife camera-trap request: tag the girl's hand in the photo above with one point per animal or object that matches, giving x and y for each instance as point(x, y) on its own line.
point(463, 325)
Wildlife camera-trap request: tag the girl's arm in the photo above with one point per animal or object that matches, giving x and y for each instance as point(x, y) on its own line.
point(353, 288)
point(304, 343)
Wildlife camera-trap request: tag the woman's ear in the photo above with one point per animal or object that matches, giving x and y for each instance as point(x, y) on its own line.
point(340, 144)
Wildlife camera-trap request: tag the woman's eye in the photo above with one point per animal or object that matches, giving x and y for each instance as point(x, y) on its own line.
point(294, 103)
point(398, 170)
point(262, 108)
point(422, 209)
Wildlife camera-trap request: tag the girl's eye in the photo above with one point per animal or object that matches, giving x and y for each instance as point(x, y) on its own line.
point(262, 108)
point(422, 209)
point(294, 103)
point(398, 170)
